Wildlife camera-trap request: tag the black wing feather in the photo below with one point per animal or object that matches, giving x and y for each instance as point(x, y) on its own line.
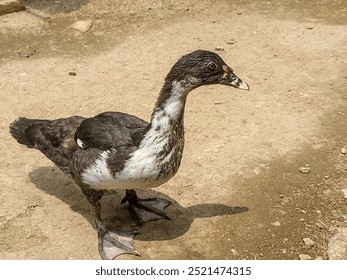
point(111, 130)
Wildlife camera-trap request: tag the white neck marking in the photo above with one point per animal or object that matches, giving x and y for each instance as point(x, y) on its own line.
point(171, 109)
point(144, 163)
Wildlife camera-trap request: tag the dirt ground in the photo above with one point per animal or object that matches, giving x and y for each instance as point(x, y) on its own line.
point(239, 193)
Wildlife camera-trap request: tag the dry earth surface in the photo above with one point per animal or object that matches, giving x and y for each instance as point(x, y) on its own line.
point(239, 193)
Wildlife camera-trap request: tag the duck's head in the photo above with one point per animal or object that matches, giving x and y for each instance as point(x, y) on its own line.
point(204, 68)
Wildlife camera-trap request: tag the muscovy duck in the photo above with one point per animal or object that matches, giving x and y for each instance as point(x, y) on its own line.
point(116, 150)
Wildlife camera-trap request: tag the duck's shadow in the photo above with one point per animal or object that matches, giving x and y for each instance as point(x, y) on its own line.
point(53, 182)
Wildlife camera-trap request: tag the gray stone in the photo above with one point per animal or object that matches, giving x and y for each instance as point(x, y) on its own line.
point(304, 257)
point(320, 225)
point(82, 25)
point(337, 246)
point(305, 170)
point(308, 242)
point(345, 192)
point(10, 6)
point(231, 42)
point(219, 48)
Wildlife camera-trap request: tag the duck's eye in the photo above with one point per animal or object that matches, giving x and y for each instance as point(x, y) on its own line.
point(212, 66)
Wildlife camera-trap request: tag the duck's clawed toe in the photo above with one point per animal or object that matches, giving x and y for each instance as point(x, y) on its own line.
point(114, 242)
point(151, 209)
point(145, 210)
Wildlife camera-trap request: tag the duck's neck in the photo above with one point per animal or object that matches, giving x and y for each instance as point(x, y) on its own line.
point(167, 116)
point(163, 140)
point(164, 136)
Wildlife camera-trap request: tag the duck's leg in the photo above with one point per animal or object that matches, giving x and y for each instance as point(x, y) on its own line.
point(145, 210)
point(111, 242)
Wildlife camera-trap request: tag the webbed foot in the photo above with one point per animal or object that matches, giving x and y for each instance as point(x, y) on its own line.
point(145, 210)
point(114, 242)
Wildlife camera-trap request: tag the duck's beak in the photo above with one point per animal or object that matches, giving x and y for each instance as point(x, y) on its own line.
point(230, 79)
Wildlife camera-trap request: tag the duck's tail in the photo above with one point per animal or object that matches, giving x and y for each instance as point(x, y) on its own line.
point(54, 138)
point(18, 130)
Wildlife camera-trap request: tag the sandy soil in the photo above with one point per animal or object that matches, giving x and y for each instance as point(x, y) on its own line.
point(239, 193)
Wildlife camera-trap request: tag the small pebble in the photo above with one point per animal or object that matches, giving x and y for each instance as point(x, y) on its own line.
point(319, 258)
point(305, 170)
point(303, 211)
point(320, 225)
point(276, 224)
point(302, 220)
point(219, 49)
point(231, 42)
point(345, 192)
point(72, 73)
point(343, 151)
point(308, 242)
point(82, 25)
point(304, 257)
